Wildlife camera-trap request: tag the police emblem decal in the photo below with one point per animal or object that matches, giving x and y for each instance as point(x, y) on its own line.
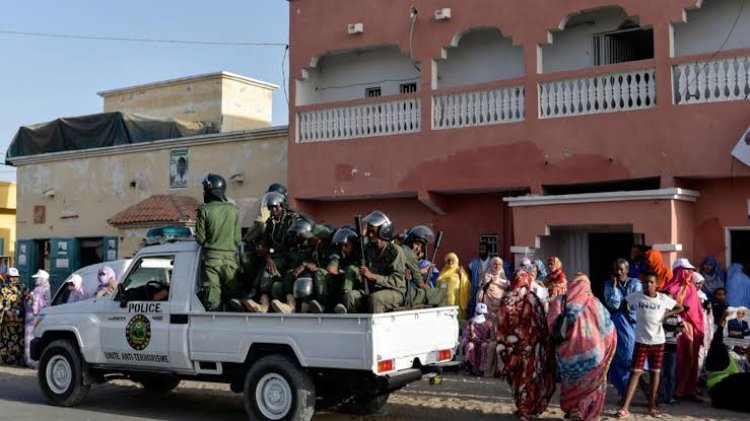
point(138, 332)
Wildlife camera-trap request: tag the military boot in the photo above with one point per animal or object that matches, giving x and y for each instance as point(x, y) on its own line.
point(287, 307)
point(255, 307)
point(280, 307)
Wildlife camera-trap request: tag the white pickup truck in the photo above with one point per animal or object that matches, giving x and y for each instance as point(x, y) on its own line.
point(286, 366)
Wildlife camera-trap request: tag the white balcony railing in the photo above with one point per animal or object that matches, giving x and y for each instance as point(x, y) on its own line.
point(375, 119)
point(478, 108)
point(605, 93)
point(712, 81)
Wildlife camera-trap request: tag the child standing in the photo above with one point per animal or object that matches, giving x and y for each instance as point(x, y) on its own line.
point(672, 329)
point(651, 309)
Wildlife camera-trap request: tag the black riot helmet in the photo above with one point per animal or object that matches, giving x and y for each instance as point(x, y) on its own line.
point(421, 234)
point(214, 187)
point(344, 236)
point(301, 229)
point(278, 188)
point(214, 182)
point(274, 199)
point(382, 223)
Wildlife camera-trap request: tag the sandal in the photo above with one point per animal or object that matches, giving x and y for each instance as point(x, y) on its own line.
point(654, 413)
point(622, 413)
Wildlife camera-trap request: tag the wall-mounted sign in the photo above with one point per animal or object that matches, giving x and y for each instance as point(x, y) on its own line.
point(40, 214)
point(741, 150)
point(178, 169)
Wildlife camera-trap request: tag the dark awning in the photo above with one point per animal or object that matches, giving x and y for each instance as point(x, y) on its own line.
point(99, 130)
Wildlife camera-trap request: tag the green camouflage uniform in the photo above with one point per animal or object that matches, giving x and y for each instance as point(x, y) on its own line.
point(250, 261)
point(387, 293)
point(276, 238)
point(423, 294)
point(305, 253)
point(218, 231)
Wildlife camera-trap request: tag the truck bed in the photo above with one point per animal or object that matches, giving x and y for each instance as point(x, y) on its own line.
point(340, 341)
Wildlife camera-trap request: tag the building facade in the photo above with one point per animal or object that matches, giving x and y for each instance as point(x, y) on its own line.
point(577, 128)
point(7, 218)
point(71, 204)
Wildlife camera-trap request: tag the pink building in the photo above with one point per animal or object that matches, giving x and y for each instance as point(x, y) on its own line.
point(575, 127)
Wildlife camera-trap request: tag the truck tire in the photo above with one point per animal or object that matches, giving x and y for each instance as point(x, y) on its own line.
point(276, 388)
point(159, 384)
point(365, 405)
point(61, 373)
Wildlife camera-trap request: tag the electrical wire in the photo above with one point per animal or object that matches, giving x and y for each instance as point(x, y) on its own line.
point(716, 53)
point(142, 40)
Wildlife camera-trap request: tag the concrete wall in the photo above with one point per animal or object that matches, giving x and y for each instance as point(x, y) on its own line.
point(8, 216)
point(723, 204)
point(345, 76)
point(89, 190)
point(573, 47)
point(707, 28)
point(652, 218)
point(585, 149)
point(245, 106)
point(231, 102)
point(481, 56)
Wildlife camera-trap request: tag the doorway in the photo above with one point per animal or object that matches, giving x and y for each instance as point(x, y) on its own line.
point(590, 249)
point(738, 246)
point(91, 251)
point(604, 249)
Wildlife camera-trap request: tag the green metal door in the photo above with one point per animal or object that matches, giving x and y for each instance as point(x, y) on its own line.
point(27, 253)
point(110, 248)
point(64, 259)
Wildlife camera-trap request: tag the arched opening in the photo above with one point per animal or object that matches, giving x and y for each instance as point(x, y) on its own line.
point(716, 25)
point(355, 74)
point(477, 56)
point(597, 37)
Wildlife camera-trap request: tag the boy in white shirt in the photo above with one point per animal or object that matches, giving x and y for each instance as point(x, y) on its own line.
point(651, 309)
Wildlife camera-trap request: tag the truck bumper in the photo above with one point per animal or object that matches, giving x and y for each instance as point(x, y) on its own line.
point(399, 379)
point(36, 349)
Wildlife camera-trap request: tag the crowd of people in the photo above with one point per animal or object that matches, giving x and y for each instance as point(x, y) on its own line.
point(21, 306)
point(538, 329)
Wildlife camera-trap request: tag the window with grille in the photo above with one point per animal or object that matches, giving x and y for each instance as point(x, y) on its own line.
point(372, 92)
point(408, 88)
point(492, 240)
point(623, 45)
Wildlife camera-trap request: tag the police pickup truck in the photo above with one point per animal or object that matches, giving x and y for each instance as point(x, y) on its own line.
point(156, 332)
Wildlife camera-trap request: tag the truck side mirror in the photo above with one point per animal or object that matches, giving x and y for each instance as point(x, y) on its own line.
point(121, 295)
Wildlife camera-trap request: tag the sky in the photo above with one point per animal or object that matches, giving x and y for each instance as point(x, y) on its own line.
point(42, 78)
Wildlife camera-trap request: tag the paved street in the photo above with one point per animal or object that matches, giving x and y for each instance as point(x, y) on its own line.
point(458, 398)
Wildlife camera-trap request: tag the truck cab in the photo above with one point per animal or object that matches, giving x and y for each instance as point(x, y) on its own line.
point(155, 331)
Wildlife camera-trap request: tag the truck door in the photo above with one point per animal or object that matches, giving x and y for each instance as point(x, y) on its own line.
point(138, 333)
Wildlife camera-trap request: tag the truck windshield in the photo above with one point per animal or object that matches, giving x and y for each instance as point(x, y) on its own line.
point(150, 269)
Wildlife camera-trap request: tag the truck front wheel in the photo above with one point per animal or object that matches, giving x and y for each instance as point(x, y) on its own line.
point(61, 373)
point(276, 388)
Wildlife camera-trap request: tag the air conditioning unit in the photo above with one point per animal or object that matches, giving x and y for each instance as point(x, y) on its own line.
point(443, 14)
point(356, 28)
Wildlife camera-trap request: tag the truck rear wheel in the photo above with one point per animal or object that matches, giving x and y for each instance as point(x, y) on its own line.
point(276, 388)
point(365, 405)
point(61, 373)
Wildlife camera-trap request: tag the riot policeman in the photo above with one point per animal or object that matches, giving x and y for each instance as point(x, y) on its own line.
point(218, 232)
